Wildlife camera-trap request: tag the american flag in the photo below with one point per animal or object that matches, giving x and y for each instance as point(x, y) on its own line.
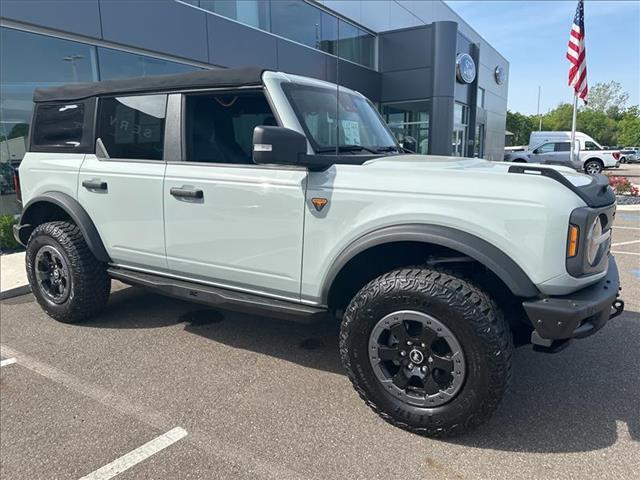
point(576, 53)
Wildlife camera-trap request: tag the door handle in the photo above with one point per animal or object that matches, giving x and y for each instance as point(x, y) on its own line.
point(186, 192)
point(94, 184)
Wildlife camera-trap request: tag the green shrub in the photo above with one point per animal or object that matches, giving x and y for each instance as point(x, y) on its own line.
point(6, 232)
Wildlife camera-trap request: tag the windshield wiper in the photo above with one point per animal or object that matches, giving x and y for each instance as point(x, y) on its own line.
point(390, 148)
point(347, 148)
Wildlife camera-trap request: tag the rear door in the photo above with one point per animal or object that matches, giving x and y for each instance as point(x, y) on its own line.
point(230, 222)
point(121, 188)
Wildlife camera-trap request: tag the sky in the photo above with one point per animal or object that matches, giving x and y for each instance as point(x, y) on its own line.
point(533, 36)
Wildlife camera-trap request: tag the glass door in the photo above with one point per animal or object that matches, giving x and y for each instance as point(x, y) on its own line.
point(460, 130)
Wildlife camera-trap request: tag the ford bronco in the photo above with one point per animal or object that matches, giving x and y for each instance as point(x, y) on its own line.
point(289, 197)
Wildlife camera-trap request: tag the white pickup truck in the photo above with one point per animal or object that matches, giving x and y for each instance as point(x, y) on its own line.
point(554, 148)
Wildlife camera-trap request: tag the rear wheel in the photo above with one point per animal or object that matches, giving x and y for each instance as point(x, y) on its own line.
point(593, 167)
point(69, 283)
point(428, 351)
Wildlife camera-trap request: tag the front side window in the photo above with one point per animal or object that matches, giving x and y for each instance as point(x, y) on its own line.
point(546, 148)
point(58, 126)
point(591, 146)
point(332, 120)
point(133, 127)
point(219, 127)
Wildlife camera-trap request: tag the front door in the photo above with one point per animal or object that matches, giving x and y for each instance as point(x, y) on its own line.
point(545, 153)
point(121, 187)
point(229, 222)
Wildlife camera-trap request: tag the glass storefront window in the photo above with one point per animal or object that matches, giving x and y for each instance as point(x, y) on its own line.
point(28, 61)
point(409, 119)
point(355, 44)
point(302, 22)
point(297, 20)
point(250, 12)
point(116, 64)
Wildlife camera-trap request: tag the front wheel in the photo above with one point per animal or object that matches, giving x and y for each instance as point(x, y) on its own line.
point(69, 283)
point(593, 167)
point(427, 350)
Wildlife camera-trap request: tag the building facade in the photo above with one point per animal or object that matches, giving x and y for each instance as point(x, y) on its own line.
point(432, 76)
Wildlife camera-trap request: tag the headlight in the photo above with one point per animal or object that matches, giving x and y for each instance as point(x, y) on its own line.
point(595, 241)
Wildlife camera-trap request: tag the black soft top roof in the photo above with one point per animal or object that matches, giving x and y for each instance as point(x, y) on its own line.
point(227, 77)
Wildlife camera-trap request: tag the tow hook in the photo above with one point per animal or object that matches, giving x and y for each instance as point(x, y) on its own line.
point(618, 308)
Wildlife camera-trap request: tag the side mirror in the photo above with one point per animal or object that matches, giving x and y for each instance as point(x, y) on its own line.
point(410, 143)
point(278, 145)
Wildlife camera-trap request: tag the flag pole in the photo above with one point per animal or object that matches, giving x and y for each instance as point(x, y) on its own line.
point(573, 129)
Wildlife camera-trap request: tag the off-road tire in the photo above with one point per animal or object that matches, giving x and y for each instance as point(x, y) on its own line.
point(471, 316)
point(90, 284)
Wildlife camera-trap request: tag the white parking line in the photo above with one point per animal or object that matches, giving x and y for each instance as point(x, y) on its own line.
point(626, 253)
point(7, 361)
point(138, 455)
point(625, 243)
point(627, 228)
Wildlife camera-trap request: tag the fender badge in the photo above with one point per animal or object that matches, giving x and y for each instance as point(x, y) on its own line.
point(319, 203)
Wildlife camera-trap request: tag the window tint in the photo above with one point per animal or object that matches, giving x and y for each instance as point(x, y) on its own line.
point(58, 126)
point(546, 148)
point(590, 146)
point(563, 147)
point(219, 127)
point(133, 127)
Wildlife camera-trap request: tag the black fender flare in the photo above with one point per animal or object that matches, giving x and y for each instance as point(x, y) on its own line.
point(73, 208)
point(476, 248)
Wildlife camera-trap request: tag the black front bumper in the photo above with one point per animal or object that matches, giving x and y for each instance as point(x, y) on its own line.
point(579, 314)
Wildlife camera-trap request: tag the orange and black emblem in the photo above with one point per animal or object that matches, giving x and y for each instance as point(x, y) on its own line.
point(319, 203)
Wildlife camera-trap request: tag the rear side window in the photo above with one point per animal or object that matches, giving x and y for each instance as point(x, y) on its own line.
point(133, 127)
point(563, 147)
point(62, 127)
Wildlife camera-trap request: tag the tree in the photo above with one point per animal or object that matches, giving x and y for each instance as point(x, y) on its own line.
point(521, 126)
point(608, 98)
point(558, 119)
point(629, 128)
point(598, 125)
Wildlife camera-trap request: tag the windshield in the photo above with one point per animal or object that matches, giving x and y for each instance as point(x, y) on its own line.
point(343, 121)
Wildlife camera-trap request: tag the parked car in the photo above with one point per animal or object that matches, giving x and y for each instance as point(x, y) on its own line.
point(630, 155)
point(264, 192)
point(555, 149)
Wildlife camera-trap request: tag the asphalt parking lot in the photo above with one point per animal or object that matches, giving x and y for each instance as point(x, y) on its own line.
point(223, 395)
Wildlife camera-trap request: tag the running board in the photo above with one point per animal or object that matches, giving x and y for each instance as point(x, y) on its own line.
point(221, 298)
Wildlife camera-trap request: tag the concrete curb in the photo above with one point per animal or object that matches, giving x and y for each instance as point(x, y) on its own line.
point(13, 275)
point(15, 292)
point(628, 208)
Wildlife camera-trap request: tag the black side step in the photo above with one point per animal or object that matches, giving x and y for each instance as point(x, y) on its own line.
point(222, 298)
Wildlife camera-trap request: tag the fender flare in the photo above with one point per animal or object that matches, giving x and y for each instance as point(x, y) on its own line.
point(474, 247)
point(78, 214)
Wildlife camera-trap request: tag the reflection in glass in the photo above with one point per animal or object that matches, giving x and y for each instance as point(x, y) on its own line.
point(29, 61)
point(117, 64)
point(355, 44)
point(249, 12)
point(409, 119)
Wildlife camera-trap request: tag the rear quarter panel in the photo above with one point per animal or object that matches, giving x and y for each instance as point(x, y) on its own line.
point(44, 172)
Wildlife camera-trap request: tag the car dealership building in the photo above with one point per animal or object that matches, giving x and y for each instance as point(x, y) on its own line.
point(431, 75)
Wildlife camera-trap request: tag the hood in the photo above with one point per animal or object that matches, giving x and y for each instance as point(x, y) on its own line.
point(594, 190)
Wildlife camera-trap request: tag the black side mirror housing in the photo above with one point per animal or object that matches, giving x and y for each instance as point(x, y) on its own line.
point(410, 143)
point(278, 146)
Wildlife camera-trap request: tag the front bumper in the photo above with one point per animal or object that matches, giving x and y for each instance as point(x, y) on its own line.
point(579, 314)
